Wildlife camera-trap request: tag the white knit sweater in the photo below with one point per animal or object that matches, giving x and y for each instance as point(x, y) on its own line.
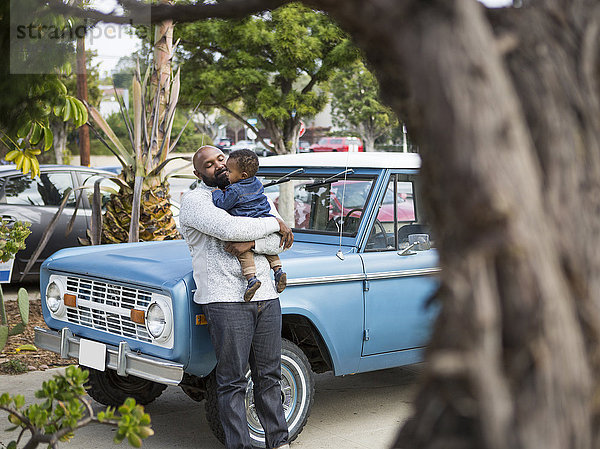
point(206, 229)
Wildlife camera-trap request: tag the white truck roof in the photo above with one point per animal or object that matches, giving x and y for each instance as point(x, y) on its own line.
point(343, 159)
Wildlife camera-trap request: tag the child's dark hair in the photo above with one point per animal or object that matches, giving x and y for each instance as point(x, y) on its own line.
point(246, 160)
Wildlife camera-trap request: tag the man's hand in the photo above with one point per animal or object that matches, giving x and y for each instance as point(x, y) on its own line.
point(287, 237)
point(237, 248)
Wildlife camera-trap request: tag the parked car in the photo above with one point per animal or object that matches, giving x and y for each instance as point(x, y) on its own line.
point(358, 289)
point(257, 147)
point(338, 144)
point(303, 146)
point(224, 144)
point(37, 201)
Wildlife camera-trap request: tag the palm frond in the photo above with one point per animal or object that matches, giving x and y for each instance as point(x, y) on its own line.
point(170, 115)
point(99, 120)
point(183, 129)
point(125, 115)
point(162, 165)
point(96, 221)
point(47, 233)
point(112, 150)
point(134, 226)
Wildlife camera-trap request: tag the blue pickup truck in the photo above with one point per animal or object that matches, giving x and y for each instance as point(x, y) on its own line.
point(360, 274)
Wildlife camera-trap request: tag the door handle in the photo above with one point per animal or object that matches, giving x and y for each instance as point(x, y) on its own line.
point(9, 219)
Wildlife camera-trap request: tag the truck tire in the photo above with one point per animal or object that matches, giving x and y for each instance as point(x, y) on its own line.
point(108, 388)
point(297, 394)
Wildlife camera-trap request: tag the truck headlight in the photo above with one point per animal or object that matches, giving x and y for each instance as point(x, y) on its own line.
point(53, 297)
point(156, 320)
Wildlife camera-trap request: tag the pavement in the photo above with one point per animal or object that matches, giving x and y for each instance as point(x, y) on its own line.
point(350, 412)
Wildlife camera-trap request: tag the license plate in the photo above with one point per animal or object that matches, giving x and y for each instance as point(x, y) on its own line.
point(92, 354)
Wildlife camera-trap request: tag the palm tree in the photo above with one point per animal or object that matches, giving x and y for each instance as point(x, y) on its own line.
point(141, 209)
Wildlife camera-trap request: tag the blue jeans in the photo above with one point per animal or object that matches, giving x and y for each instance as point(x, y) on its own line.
point(242, 333)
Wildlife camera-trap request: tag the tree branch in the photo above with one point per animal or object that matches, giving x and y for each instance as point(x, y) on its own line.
point(140, 13)
point(20, 416)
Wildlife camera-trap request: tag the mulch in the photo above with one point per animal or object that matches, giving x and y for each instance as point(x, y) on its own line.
point(40, 359)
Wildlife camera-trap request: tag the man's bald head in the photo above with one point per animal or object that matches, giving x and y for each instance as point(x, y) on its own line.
point(202, 152)
point(209, 165)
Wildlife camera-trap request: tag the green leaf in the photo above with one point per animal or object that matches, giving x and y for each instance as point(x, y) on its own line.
point(27, 347)
point(134, 440)
point(3, 335)
point(19, 400)
point(4, 399)
point(36, 134)
point(17, 329)
point(67, 110)
point(48, 138)
point(24, 130)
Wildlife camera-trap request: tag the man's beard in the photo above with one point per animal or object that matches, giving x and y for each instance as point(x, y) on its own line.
point(220, 180)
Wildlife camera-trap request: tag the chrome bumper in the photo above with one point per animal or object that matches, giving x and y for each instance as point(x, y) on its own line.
point(121, 359)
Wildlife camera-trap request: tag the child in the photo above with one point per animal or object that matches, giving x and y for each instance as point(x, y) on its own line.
point(245, 197)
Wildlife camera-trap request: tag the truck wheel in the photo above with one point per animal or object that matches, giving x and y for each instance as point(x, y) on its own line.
point(108, 388)
point(297, 396)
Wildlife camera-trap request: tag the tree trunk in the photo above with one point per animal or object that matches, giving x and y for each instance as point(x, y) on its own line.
point(82, 94)
point(505, 109)
point(160, 81)
point(59, 129)
point(368, 142)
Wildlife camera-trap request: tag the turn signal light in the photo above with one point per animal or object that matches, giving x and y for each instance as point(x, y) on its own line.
point(70, 300)
point(137, 316)
point(201, 320)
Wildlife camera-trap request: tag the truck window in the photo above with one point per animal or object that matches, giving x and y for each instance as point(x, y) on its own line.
point(396, 211)
point(320, 204)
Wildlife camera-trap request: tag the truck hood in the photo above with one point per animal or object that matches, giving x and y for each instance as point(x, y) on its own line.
point(146, 263)
point(156, 263)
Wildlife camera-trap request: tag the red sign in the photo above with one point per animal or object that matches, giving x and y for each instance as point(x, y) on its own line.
point(302, 129)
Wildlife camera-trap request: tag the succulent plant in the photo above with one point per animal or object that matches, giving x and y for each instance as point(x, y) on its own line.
point(5, 330)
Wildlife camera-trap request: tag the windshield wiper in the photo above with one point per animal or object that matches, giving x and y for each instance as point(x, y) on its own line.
point(328, 180)
point(284, 178)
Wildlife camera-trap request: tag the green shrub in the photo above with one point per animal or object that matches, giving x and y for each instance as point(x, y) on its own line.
point(64, 409)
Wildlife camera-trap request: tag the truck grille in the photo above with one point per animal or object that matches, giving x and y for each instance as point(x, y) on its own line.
point(107, 307)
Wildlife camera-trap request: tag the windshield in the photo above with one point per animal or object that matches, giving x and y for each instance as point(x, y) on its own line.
point(319, 204)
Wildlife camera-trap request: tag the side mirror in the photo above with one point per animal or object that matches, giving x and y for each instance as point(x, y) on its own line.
point(416, 242)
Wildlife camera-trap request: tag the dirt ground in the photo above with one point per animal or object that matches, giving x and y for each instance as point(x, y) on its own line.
point(39, 359)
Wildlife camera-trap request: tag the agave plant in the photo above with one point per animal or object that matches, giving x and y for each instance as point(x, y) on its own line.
point(141, 209)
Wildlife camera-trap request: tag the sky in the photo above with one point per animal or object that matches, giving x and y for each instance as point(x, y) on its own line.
point(112, 41)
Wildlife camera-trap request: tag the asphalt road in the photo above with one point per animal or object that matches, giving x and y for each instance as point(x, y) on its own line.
point(351, 412)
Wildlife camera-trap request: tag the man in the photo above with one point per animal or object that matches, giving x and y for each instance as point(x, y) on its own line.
point(241, 332)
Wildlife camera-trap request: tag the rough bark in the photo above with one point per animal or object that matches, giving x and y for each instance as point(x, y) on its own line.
point(506, 110)
point(59, 130)
point(510, 158)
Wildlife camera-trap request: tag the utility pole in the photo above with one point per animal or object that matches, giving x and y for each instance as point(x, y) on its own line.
point(82, 91)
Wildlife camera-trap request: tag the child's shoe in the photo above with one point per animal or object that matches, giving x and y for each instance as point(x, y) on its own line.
point(253, 285)
point(280, 280)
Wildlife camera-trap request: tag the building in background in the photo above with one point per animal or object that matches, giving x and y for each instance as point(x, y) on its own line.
point(108, 99)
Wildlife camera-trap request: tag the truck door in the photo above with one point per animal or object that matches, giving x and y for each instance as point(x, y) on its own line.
point(399, 280)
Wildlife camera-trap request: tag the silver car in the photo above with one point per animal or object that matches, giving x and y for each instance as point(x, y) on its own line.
point(37, 201)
